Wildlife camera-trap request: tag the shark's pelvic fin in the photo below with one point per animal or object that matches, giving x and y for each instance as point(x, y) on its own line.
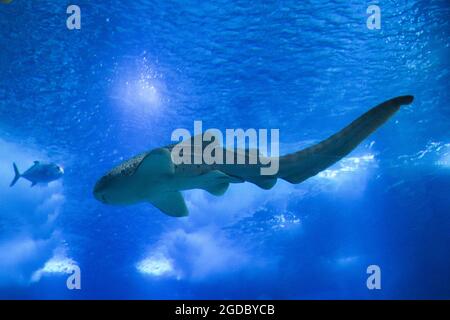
point(264, 182)
point(301, 165)
point(215, 182)
point(217, 189)
point(171, 203)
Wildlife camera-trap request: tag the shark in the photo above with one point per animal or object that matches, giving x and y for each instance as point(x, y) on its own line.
point(153, 177)
point(38, 173)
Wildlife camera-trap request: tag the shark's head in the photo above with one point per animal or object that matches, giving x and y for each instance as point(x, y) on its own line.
point(133, 181)
point(105, 188)
point(114, 187)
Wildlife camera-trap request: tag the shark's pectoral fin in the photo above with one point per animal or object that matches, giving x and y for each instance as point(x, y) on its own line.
point(33, 183)
point(171, 203)
point(157, 161)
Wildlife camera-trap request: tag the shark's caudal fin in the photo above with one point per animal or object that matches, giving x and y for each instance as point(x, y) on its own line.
point(16, 175)
point(301, 165)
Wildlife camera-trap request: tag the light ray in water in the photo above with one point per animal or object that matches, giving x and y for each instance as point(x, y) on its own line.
point(156, 266)
point(139, 89)
point(347, 166)
point(58, 264)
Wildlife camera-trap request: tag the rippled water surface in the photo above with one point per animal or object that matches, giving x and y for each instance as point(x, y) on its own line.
point(91, 98)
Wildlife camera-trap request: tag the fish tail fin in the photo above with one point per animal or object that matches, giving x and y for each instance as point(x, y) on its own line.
point(17, 175)
point(299, 166)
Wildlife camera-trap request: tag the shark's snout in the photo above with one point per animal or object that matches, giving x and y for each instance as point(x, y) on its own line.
point(103, 198)
point(100, 196)
point(99, 192)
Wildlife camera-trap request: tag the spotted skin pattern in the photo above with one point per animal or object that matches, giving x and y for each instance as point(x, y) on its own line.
point(127, 169)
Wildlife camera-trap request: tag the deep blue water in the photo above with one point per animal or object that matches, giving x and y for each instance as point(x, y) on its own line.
point(88, 99)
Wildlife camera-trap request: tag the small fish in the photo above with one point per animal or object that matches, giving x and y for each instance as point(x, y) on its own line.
point(39, 173)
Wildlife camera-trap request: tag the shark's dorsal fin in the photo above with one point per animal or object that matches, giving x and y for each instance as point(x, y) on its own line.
point(157, 161)
point(248, 151)
point(36, 162)
point(171, 203)
point(191, 141)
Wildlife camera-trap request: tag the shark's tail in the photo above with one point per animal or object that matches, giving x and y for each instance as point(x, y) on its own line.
point(17, 175)
point(299, 166)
